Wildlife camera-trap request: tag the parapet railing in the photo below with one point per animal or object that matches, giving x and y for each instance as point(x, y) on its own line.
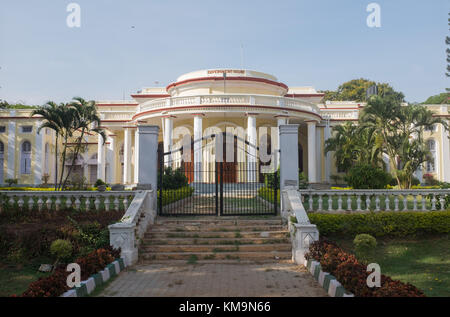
point(230, 99)
point(129, 231)
point(59, 200)
point(337, 201)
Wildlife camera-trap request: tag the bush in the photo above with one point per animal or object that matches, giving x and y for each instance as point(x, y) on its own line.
point(269, 194)
point(353, 275)
point(172, 195)
point(11, 181)
point(380, 224)
point(273, 179)
point(61, 249)
point(367, 177)
point(99, 182)
point(364, 245)
point(173, 179)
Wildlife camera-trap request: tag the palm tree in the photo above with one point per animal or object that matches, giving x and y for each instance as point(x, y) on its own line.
point(50, 112)
point(353, 144)
point(401, 131)
point(85, 116)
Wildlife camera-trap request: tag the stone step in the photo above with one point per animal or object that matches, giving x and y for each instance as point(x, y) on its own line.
point(216, 234)
point(190, 248)
point(213, 241)
point(195, 256)
point(218, 222)
point(204, 228)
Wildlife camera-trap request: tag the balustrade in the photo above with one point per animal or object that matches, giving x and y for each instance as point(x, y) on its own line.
point(340, 201)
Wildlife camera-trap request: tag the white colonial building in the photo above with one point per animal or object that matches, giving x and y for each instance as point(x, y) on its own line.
point(201, 103)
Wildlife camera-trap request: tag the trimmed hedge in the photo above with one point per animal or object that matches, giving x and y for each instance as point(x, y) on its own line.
point(268, 194)
point(172, 195)
point(380, 224)
point(353, 274)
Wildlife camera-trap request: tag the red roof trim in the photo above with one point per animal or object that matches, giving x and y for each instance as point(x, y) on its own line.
point(261, 80)
point(117, 104)
point(150, 96)
point(305, 95)
point(224, 105)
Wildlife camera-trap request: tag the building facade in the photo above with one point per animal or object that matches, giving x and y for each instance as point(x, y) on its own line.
point(240, 102)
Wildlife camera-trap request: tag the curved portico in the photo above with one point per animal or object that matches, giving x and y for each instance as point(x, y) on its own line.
point(208, 101)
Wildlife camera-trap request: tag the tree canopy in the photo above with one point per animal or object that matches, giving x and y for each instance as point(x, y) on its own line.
point(355, 90)
point(438, 99)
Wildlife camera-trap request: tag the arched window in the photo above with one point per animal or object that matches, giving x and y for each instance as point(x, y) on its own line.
point(25, 161)
point(2, 152)
point(431, 163)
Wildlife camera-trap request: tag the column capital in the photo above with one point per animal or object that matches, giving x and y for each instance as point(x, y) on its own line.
point(311, 122)
point(148, 129)
point(289, 128)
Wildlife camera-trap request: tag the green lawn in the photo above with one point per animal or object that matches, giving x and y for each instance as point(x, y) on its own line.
point(423, 262)
point(15, 278)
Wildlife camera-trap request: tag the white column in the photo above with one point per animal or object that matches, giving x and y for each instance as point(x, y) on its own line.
point(100, 159)
point(445, 157)
point(38, 154)
point(168, 139)
point(251, 149)
point(127, 157)
point(312, 152)
point(198, 133)
point(110, 158)
point(280, 121)
point(136, 156)
point(319, 154)
point(327, 135)
point(11, 166)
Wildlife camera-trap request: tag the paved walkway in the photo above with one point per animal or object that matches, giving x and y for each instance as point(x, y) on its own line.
point(216, 280)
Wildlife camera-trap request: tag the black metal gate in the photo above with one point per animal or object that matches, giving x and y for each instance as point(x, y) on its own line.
point(218, 188)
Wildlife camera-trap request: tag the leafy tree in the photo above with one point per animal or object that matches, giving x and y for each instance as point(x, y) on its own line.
point(355, 90)
point(438, 99)
point(85, 115)
point(353, 144)
point(401, 131)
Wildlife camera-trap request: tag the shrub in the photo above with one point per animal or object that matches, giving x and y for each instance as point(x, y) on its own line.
point(364, 245)
point(390, 224)
point(173, 179)
point(11, 181)
point(269, 194)
point(99, 182)
point(61, 249)
point(353, 275)
point(272, 180)
point(172, 195)
point(367, 177)
point(430, 180)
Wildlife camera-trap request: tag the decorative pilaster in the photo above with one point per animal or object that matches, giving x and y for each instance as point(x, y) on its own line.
point(136, 156)
point(38, 154)
point(288, 155)
point(11, 160)
point(110, 158)
point(327, 135)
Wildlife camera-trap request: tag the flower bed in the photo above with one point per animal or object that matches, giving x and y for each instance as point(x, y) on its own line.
point(353, 275)
point(55, 284)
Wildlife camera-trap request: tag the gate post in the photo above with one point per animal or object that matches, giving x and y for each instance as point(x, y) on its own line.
point(148, 159)
point(288, 158)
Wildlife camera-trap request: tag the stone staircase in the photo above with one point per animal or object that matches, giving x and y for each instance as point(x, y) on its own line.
point(216, 240)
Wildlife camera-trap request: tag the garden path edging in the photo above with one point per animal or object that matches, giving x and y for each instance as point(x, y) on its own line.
point(326, 280)
point(89, 285)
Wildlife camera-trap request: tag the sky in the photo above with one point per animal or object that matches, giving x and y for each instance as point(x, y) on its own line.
point(122, 46)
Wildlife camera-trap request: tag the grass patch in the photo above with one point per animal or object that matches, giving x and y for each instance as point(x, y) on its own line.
point(423, 262)
point(15, 278)
point(192, 259)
